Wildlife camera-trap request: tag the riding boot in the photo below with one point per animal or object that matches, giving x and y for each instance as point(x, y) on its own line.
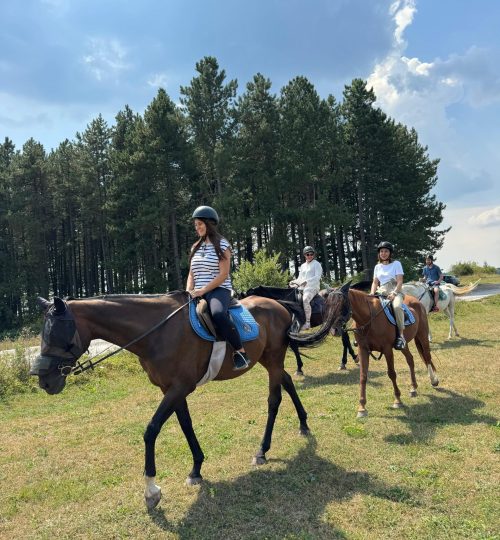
point(400, 342)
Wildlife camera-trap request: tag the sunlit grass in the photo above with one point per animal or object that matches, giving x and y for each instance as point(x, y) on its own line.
point(71, 465)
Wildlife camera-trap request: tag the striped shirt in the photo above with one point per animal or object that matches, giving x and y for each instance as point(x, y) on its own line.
point(205, 265)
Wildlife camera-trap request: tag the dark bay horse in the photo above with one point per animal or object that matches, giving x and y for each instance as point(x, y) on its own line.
point(375, 333)
point(172, 355)
point(290, 297)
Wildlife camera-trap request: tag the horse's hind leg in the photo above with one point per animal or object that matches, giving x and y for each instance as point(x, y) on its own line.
point(425, 353)
point(450, 310)
point(273, 403)
point(289, 387)
point(391, 372)
point(411, 364)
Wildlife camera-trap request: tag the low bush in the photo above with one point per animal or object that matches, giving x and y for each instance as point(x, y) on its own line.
point(265, 270)
point(470, 267)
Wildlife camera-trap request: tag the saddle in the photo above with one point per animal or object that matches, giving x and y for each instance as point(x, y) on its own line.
point(389, 312)
point(201, 321)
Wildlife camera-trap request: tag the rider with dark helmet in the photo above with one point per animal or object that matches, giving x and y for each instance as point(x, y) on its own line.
point(433, 276)
point(308, 280)
point(209, 276)
point(387, 281)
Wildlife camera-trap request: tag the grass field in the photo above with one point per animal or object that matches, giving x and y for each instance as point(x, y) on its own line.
point(71, 464)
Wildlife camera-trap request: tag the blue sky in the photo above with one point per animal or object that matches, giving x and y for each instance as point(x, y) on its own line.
point(434, 65)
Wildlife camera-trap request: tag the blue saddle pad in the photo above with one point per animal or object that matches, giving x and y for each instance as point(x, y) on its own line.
point(409, 317)
point(243, 320)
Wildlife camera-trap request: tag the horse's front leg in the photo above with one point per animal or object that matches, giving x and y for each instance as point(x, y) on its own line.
point(391, 372)
point(273, 403)
point(167, 406)
point(186, 424)
point(364, 361)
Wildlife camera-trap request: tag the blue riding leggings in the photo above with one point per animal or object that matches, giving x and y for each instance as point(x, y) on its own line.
point(218, 302)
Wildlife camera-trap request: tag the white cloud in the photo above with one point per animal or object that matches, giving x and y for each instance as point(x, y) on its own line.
point(158, 80)
point(468, 239)
point(403, 12)
point(488, 218)
point(106, 58)
point(420, 93)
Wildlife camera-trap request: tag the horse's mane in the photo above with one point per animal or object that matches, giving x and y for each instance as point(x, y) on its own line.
point(128, 296)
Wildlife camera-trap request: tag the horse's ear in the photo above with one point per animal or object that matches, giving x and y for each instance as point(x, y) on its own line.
point(42, 303)
point(59, 305)
point(345, 288)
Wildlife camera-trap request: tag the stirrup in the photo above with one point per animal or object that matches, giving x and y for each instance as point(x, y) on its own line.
point(240, 361)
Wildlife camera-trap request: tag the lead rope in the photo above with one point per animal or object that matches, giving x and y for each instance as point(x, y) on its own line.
point(88, 364)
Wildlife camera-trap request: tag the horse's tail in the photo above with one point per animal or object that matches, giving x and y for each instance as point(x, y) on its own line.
point(462, 290)
point(332, 315)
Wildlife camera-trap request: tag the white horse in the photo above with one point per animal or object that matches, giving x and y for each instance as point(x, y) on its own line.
point(421, 291)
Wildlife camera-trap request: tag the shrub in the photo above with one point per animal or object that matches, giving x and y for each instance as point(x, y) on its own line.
point(265, 270)
point(470, 267)
point(14, 373)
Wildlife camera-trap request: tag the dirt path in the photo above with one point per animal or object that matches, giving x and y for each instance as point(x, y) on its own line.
point(481, 291)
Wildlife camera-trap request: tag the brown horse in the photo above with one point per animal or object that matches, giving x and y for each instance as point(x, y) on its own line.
point(172, 355)
point(374, 332)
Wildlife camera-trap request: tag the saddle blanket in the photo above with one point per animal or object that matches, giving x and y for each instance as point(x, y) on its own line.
point(245, 324)
point(409, 317)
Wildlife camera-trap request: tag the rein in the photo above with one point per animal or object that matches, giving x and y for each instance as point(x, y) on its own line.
point(80, 367)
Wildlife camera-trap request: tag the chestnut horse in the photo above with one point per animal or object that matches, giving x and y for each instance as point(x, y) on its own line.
point(374, 332)
point(171, 353)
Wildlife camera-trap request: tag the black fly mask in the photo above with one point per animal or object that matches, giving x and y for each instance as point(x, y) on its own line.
point(61, 344)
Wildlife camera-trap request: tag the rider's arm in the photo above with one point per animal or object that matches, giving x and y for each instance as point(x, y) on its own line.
point(375, 285)
point(397, 289)
point(190, 282)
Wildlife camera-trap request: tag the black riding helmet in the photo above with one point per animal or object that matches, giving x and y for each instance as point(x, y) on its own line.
point(308, 249)
point(206, 212)
point(386, 245)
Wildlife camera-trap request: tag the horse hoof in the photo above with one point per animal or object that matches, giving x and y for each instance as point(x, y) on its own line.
point(304, 432)
point(397, 405)
point(342, 367)
point(435, 383)
point(193, 481)
point(362, 414)
point(259, 460)
point(153, 500)
point(413, 393)
point(299, 373)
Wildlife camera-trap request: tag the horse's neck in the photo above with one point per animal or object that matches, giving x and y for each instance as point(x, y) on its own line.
point(119, 320)
point(361, 305)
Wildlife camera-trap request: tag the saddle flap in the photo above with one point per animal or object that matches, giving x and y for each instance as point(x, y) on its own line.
point(204, 316)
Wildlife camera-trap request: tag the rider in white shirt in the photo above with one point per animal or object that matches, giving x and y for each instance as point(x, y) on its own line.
point(387, 281)
point(308, 281)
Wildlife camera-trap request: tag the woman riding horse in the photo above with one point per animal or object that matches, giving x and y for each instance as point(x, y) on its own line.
point(172, 354)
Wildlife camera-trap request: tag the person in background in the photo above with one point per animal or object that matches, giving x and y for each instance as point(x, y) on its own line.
point(308, 281)
point(433, 276)
point(209, 277)
point(387, 281)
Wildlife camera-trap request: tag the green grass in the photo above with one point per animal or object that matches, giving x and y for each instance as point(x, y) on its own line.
point(71, 465)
